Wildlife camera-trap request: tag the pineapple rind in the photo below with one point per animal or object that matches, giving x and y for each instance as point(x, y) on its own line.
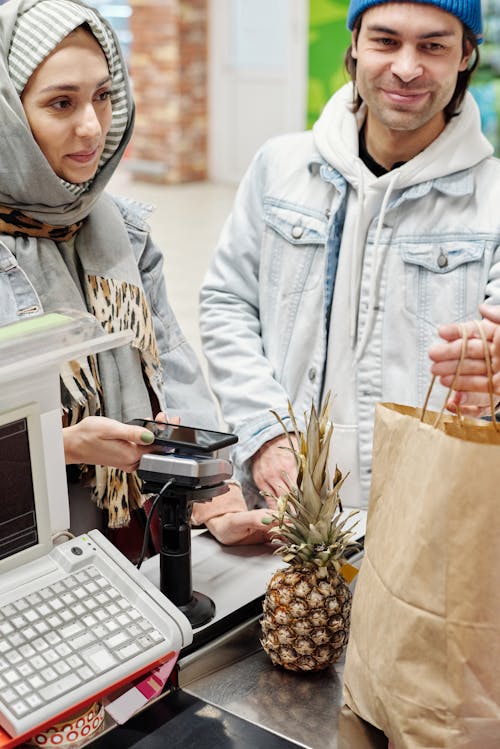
point(307, 628)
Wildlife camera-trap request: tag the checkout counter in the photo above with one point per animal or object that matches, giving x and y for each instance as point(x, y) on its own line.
point(224, 691)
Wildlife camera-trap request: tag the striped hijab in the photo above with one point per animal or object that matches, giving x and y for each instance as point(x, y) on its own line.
point(38, 30)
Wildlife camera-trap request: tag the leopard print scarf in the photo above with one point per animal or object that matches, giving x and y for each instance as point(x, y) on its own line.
point(19, 224)
point(118, 383)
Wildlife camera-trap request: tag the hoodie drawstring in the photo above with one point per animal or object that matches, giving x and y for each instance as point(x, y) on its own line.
point(377, 269)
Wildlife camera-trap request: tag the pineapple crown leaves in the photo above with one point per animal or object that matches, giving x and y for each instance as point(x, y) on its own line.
point(311, 528)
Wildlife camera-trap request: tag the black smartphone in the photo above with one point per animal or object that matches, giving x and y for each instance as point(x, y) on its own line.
point(183, 438)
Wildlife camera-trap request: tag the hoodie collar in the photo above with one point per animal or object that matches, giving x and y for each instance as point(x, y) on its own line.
point(459, 147)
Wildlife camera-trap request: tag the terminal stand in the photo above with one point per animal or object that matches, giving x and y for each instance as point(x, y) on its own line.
point(179, 480)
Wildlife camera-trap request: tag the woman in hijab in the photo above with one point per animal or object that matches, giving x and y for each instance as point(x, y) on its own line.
point(67, 116)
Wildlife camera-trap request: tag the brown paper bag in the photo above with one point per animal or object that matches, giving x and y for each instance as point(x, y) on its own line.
point(423, 659)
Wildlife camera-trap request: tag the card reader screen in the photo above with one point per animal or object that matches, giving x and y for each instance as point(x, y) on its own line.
point(18, 529)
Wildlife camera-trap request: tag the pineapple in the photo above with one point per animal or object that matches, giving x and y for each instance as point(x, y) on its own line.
point(307, 604)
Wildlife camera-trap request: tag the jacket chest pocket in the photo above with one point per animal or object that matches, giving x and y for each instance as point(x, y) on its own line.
point(444, 281)
point(293, 248)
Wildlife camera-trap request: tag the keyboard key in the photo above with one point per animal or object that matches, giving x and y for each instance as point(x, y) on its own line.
point(128, 651)
point(99, 658)
point(100, 631)
point(65, 684)
point(38, 662)
point(71, 630)
point(25, 669)
point(34, 599)
point(117, 639)
point(8, 695)
point(22, 688)
point(79, 642)
point(21, 604)
point(74, 660)
point(19, 708)
point(42, 627)
point(33, 700)
point(16, 639)
point(51, 656)
point(85, 673)
point(14, 657)
point(62, 667)
point(32, 615)
point(11, 676)
point(40, 644)
point(63, 649)
point(55, 621)
point(6, 628)
point(36, 681)
point(30, 633)
point(49, 674)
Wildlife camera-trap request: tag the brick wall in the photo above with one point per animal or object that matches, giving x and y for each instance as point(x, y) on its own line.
point(168, 64)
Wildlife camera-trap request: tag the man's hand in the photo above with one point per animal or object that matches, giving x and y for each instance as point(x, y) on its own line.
point(471, 387)
point(97, 440)
point(268, 465)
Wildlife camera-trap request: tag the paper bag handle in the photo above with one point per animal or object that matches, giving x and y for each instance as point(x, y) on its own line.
point(489, 371)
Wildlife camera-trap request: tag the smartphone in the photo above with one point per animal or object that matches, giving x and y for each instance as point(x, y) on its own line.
point(182, 438)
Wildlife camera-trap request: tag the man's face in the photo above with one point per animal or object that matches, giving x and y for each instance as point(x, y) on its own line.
point(408, 59)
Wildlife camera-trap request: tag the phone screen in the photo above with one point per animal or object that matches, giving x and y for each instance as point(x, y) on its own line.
point(186, 438)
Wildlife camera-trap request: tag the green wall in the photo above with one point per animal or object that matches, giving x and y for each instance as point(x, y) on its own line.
point(328, 41)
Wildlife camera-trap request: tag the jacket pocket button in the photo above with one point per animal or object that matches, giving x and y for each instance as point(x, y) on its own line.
point(297, 231)
point(442, 260)
point(312, 374)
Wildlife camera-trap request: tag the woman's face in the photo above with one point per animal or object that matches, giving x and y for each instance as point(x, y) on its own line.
point(67, 103)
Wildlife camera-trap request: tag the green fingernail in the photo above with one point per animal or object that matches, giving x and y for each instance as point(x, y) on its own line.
point(147, 437)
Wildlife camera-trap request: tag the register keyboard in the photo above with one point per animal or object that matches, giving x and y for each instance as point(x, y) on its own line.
point(73, 625)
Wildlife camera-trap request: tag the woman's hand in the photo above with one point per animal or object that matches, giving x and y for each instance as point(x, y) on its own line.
point(97, 440)
point(471, 387)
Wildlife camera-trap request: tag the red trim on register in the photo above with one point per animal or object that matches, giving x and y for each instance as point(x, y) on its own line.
point(8, 742)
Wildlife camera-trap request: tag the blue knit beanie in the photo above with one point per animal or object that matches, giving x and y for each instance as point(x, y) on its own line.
point(467, 11)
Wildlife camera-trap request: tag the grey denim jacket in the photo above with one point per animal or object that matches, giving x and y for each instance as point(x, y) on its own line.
point(184, 388)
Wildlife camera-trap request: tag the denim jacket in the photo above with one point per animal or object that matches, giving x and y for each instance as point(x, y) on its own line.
point(185, 391)
point(315, 237)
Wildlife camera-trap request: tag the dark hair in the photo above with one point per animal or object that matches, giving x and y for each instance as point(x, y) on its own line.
point(469, 41)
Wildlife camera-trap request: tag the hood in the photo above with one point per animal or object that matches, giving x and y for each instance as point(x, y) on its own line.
point(27, 181)
point(460, 146)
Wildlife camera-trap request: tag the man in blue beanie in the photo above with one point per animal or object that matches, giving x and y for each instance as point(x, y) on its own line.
point(350, 244)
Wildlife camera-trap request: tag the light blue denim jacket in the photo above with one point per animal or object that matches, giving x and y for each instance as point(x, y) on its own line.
point(423, 250)
point(185, 390)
